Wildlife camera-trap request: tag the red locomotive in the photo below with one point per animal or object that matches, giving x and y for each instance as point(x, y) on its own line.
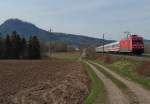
point(132, 44)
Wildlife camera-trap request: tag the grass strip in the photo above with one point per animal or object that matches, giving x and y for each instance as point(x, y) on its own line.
point(68, 56)
point(128, 69)
point(98, 93)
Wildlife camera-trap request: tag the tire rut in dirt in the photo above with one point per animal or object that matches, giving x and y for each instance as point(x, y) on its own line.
point(130, 95)
point(114, 93)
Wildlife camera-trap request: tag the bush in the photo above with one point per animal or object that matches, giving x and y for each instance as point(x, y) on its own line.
point(90, 52)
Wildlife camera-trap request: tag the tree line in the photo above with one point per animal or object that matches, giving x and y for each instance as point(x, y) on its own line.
point(13, 46)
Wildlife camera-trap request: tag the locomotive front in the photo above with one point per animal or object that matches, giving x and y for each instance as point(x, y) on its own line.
point(137, 44)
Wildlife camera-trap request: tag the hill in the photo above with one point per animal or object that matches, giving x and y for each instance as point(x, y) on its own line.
point(27, 30)
point(146, 41)
point(147, 46)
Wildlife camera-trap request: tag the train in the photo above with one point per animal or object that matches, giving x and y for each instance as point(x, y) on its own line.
point(133, 44)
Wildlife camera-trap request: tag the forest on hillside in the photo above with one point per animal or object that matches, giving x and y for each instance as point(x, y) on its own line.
point(13, 46)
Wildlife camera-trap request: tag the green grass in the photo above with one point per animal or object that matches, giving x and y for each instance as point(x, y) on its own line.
point(69, 56)
point(132, 98)
point(128, 69)
point(98, 94)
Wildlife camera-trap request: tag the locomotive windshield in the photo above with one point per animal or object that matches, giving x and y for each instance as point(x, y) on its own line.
point(137, 41)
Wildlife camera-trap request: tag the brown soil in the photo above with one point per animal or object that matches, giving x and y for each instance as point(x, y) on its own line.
point(42, 82)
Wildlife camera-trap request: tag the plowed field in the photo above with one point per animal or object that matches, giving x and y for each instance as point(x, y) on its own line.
point(42, 82)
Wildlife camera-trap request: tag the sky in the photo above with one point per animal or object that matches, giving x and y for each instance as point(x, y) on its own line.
point(83, 17)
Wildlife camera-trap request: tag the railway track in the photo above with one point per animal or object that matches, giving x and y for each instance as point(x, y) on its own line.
point(144, 57)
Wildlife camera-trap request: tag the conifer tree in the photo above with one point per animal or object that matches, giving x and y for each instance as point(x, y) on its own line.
point(23, 48)
point(15, 45)
point(34, 48)
point(1, 46)
point(7, 47)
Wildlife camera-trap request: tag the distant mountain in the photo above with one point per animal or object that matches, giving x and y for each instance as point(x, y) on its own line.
point(145, 40)
point(27, 30)
point(147, 46)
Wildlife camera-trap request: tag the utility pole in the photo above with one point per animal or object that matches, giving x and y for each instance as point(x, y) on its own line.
point(103, 42)
point(51, 44)
point(50, 30)
point(50, 53)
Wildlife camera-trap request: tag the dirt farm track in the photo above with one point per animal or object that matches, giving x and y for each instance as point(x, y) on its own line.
point(42, 82)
